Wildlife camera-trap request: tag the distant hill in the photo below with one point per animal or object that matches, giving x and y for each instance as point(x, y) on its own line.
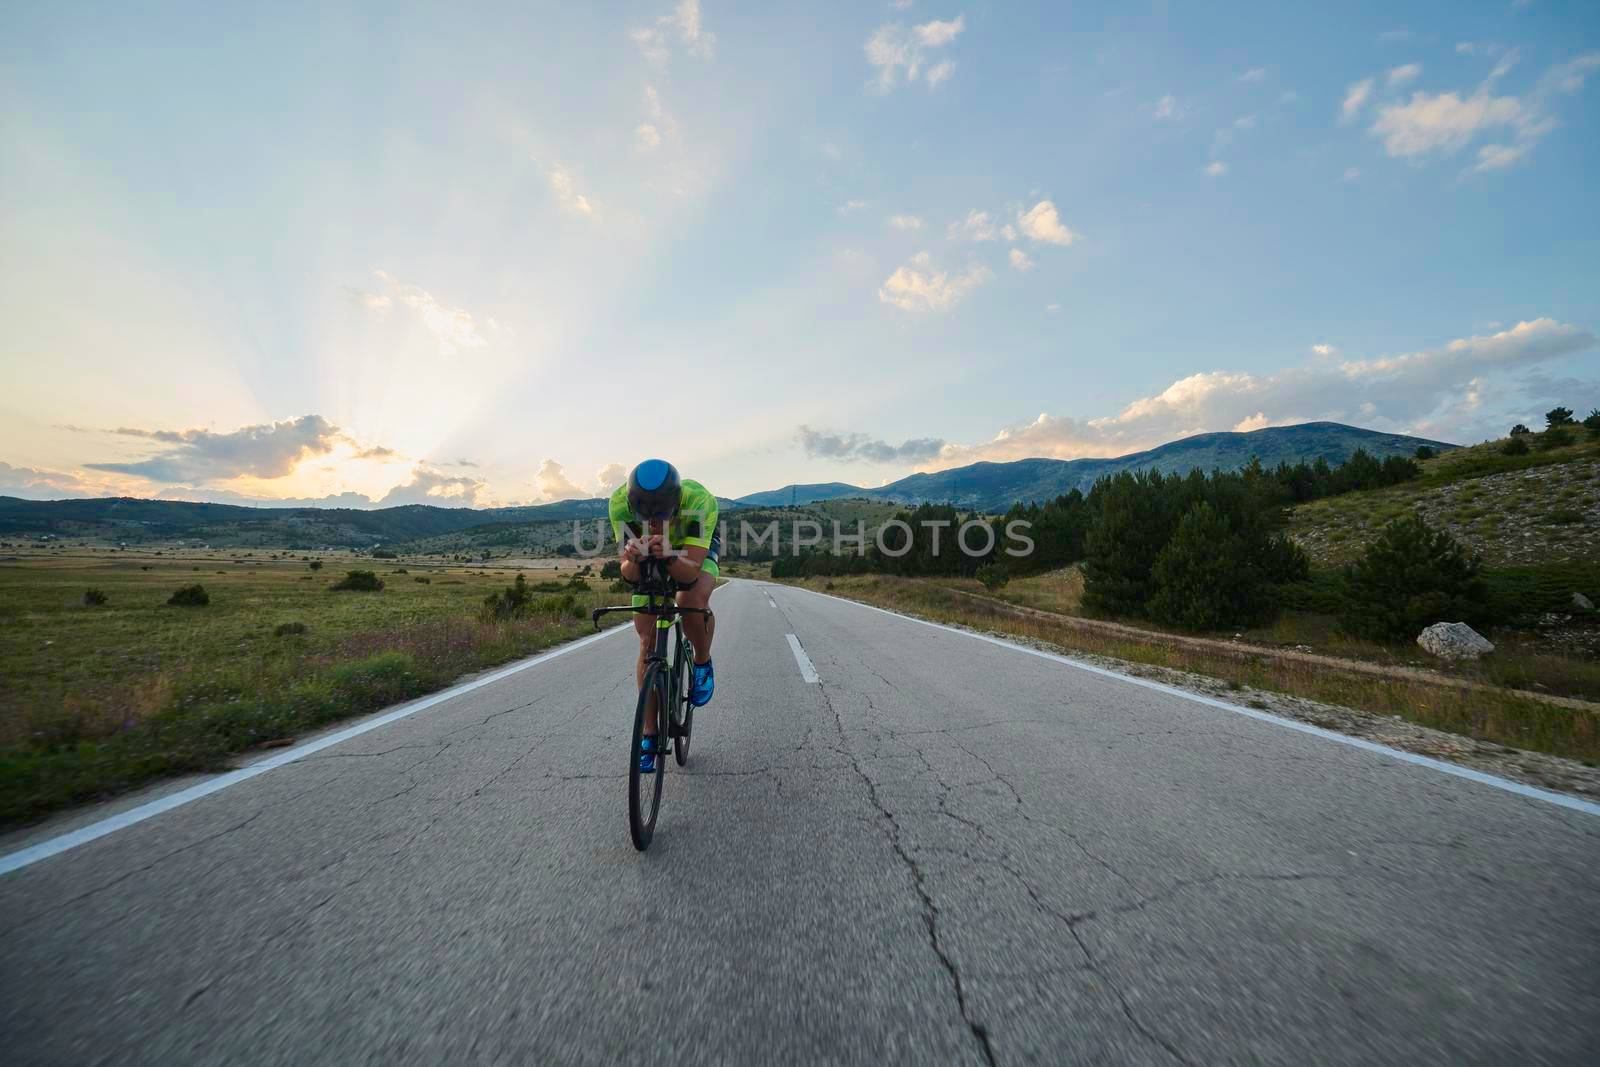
point(995, 486)
point(141, 521)
point(989, 486)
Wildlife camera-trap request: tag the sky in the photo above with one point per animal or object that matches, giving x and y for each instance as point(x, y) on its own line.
point(490, 254)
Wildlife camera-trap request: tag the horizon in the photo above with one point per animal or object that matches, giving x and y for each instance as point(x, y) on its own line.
point(291, 504)
point(335, 258)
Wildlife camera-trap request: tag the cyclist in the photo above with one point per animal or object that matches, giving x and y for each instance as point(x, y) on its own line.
point(657, 513)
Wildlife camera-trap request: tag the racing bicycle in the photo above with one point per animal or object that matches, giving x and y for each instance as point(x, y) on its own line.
point(666, 681)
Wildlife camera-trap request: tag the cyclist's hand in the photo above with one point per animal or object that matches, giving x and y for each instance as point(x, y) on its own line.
point(658, 545)
point(633, 550)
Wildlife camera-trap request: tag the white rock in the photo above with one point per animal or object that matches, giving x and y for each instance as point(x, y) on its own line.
point(1581, 602)
point(1453, 640)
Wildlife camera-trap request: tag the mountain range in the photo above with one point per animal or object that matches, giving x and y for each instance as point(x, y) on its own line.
point(996, 486)
point(983, 486)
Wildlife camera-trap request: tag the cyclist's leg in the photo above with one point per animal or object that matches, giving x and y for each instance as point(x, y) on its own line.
point(695, 626)
point(645, 627)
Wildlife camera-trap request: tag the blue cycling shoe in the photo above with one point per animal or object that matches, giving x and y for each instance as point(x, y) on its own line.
point(647, 754)
point(703, 684)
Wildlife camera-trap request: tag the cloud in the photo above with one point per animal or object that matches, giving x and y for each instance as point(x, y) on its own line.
point(454, 328)
point(1020, 260)
point(378, 302)
point(567, 195)
point(646, 137)
point(905, 222)
point(940, 72)
point(610, 476)
point(851, 205)
point(1216, 169)
point(1447, 392)
point(683, 23)
point(268, 450)
point(1245, 122)
point(1042, 223)
point(1569, 77)
point(1499, 156)
point(380, 452)
point(1444, 123)
point(429, 486)
point(899, 54)
point(32, 483)
point(1168, 108)
point(1052, 308)
point(1401, 75)
point(860, 447)
point(1355, 97)
point(553, 483)
point(917, 286)
point(934, 34)
point(1254, 75)
point(1325, 351)
point(1390, 36)
point(1352, 173)
point(977, 226)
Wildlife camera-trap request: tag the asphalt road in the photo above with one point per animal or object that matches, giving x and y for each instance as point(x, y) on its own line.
point(946, 850)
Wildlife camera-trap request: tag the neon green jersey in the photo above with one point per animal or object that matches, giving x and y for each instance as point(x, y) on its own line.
point(693, 525)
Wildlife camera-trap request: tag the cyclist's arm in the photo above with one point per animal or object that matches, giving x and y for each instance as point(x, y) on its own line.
point(685, 566)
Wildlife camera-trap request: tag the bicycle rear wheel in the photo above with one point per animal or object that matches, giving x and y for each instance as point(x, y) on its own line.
point(644, 790)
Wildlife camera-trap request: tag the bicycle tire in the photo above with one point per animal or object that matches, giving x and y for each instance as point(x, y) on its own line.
point(680, 750)
point(642, 819)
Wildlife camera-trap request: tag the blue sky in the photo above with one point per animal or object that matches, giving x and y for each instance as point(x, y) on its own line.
point(494, 253)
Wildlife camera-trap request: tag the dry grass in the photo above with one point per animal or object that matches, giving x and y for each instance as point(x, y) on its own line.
point(97, 699)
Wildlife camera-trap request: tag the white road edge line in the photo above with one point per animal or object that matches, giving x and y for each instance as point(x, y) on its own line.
point(1560, 800)
point(12, 861)
point(807, 671)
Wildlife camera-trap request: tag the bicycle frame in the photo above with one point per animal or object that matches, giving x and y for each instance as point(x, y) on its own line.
point(660, 593)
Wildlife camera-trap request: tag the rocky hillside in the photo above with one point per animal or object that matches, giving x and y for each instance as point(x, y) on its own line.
point(1542, 507)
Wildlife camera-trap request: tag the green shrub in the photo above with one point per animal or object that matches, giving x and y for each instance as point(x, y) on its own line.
point(384, 553)
point(1564, 517)
point(1592, 423)
point(399, 570)
point(1410, 577)
point(1518, 430)
point(93, 598)
point(359, 582)
point(315, 564)
point(285, 629)
point(611, 569)
point(619, 586)
point(1558, 416)
point(993, 576)
point(1530, 590)
point(1425, 452)
point(423, 580)
point(190, 596)
point(544, 587)
point(1555, 437)
point(1515, 446)
point(1205, 578)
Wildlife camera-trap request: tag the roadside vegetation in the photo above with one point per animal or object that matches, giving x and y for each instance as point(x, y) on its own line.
point(1215, 573)
point(119, 669)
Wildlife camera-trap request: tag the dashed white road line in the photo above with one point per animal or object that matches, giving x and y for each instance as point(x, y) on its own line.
point(807, 671)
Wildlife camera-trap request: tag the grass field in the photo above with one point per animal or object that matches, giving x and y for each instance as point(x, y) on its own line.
point(95, 699)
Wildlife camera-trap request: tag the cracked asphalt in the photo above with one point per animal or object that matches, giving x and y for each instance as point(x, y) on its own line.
point(946, 851)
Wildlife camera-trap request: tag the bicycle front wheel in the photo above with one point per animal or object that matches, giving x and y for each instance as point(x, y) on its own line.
point(644, 789)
